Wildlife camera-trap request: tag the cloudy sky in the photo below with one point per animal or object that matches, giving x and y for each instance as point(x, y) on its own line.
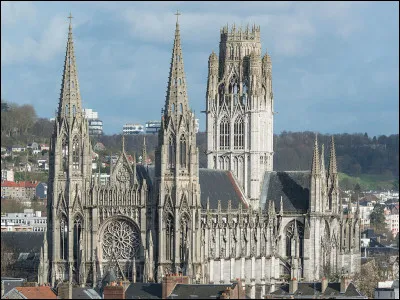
point(335, 64)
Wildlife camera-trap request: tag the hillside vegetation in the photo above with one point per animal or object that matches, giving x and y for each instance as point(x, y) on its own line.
point(372, 162)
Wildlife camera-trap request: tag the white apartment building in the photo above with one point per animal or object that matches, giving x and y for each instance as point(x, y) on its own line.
point(95, 124)
point(392, 219)
point(133, 129)
point(7, 175)
point(29, 220)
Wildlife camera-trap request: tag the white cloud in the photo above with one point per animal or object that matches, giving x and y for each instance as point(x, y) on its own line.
point(13, 12)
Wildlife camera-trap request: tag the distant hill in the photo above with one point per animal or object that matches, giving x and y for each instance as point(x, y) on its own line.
point(371, 159)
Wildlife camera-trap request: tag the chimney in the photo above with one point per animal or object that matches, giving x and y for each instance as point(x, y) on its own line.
point(324, 284)
point(65, 290)
point(170, 281)
point(2, 289)
point(378, 238)
point(364, 235)
point(293, 285)
point(114, 292)
point(344, 283)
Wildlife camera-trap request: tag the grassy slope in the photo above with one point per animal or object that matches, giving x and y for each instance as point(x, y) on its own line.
point(368, 182)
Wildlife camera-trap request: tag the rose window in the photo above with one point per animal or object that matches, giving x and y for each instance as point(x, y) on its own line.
point(120, 240)
point(123, 174)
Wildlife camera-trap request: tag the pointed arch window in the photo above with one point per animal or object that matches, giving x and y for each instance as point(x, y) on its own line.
point(64, 151)
point(169, 251)
point(290, 242)
point(182, 152)
point(224, 132)
point(66, 110)
point(171, 153)
point(75, 153)
point(184, 243)
point(221, 92)
point(63, 238)
point(78, 238)
point(238, 133)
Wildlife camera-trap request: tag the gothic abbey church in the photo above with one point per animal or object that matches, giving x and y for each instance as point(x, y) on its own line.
point(236, 219)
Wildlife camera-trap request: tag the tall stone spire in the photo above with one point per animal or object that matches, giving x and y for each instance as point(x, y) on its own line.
point(315, 160)
point(332, 159)
point(70, 99)
point(176, 101)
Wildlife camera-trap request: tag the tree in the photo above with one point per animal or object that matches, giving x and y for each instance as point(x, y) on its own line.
point(367, 279)
point(377, 217)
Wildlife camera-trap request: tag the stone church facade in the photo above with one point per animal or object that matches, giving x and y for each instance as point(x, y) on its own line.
point(236, 219)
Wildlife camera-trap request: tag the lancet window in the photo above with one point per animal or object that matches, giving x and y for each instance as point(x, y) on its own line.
point(171, 153)
point(182, 152)
point(64, 150)
point(224, 132)
point(169, 251)
point(238, 133)
point(63, 238)
point(184, 230)
point(75, 153)
point(290, 231)
point(78, 243)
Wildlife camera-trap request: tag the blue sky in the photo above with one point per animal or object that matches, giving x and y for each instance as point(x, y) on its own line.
point(335, 64)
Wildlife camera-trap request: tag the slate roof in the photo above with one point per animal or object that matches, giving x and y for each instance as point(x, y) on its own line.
point(311, 289)
point(292, 186)
point(214, 184)
point(218, 185)
point(84, 293)
point(141, 290)
point(10, 283)
point(200, 291)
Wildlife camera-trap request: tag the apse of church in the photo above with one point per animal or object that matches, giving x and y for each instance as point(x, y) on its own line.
point(236, 219)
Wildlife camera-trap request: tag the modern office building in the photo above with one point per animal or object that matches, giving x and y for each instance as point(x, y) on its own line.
point(29, 220)
point(153, 126)
point(133, 129)
point(95, 124)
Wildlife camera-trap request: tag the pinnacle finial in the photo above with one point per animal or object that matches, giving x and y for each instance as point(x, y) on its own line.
point(123, 143)
point(70, 20)
point(177, 14)
point(315, 159)
point(332, 159)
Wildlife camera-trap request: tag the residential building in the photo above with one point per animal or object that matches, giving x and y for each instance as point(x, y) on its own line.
point(44, 147)
point(323, 289)
point(133, 129)
point(8, 283)
point(7, 175)
point(31, 292)
point(99, 147)
point(23, 190)
point(95, 127)
point(153, 126)
point(392, 218)
point(33, 146)
point(29, 220)
point(90, 114)
point(387, 290)
point(18, 149)
point(236, 219)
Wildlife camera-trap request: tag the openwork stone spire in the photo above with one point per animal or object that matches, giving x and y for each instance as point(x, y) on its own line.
point(70, 99)
point(315, 160)
point(332, 159)
point(176, 101)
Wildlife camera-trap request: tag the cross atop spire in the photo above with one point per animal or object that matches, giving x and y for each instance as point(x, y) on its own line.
point(177, 14)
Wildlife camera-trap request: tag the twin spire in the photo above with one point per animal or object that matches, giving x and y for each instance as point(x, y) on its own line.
point(318, 163)
point(70, 104)
point(176, 100)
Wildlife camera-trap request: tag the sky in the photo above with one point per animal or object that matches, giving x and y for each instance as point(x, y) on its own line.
point(335, 65)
